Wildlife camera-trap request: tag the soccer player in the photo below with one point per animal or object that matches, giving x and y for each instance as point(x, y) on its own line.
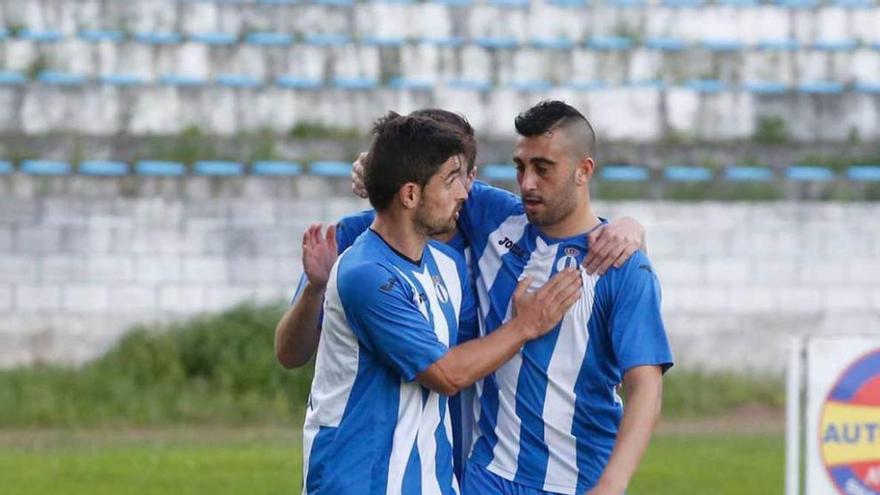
point(551, 420)
point(377, 420)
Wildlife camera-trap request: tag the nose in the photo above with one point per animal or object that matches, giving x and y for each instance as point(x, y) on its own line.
point(527, 180)
point(461, 192)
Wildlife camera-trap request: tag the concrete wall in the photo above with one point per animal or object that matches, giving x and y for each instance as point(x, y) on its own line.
point(83, 259)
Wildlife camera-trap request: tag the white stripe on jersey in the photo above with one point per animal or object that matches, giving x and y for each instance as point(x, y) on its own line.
point(427, 443)
point(559, 401)
point(409, 414)
point(449, 274)
point(490, 262)
point(507, 429)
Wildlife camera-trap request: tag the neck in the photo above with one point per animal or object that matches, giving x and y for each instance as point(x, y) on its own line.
point(580, 220)
point(400, 233)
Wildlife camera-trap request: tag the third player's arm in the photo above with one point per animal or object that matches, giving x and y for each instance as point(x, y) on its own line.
point(536, 314)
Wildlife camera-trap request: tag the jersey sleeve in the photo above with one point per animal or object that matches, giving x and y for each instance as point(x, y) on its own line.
point(386, 319)
point(486, 207)
point(637, 331)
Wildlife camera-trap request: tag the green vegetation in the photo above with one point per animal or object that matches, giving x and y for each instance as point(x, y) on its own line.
point(771, 130)
point(318, 130)
point(688, 394)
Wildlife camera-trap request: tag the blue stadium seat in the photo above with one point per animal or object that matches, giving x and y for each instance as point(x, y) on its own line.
point(298, 82)
point(653, 84)
point(445, 42)
point(5, 167)
point(218, 168)
point(836, 45)
point(797, 4)
point(57, 78)
point(623, 4)
point(4, 33)
point(395, 2)
point(327, 168)
point(574, 4)
point(687, 174)
point(665, 43)
point(10, 78)
point(705, 85)
point(509, 3)
point(158, 168)
point(406, 83)
point(623, 173)
point(738, 3)
point(470, 84)
point(765, 87)
point(558, 43)
point(355, 83)
point(269, 39)
point(455, 3)
point(387, 41)
point(853, 4)
point(181, 80)
point(586, 85)
point(610, 43)
point(157, 38)
point(864, 173)
point(103, 168)
point(499, 172)
point(45, 36)
point(237, 81)
point(820, 87)
point(497, 43)
point(98, 35)
point(122, 79)
point(334, 3)
point(806, 173)
point(274, 168)
point(719, 45)
point(867, 87)
point(45, 167)
point(783, 44)
point(531, 86)
point(327, 39)
point(683, 3)
point(278, 2)
point(748, 174)
point(215, 39)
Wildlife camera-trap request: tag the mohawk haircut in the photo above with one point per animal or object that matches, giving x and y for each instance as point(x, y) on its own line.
point(549, 115)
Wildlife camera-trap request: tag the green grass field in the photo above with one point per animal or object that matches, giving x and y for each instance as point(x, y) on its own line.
point(224, 461)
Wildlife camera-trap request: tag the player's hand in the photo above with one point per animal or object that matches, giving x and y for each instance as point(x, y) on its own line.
point(357, 176)
point(613, 244)
point(319, 254)
point(542, 309)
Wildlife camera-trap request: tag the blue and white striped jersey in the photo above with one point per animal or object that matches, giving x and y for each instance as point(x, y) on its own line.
point(549, 416)
point(370, 429)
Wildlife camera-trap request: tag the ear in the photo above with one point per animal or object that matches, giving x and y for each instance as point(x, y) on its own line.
point(410, 194)
point(584, 171)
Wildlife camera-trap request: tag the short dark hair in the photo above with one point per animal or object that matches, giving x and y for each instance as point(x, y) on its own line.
point(406, 149)
point(552, 114)
point(458, 122)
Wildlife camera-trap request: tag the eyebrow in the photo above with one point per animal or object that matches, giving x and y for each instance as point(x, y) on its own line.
point(539, 160)
point(455, 171)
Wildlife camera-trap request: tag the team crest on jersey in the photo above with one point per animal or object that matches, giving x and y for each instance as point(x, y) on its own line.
point(442, 293)
point(568, 260)
point(849, 433)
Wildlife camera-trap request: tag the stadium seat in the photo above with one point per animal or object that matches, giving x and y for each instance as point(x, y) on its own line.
point(765, 87)
point(784, 44)
point(574, 4)
point(720, 45)
point(181, 80)
point(278, 2)
point(499, 172)
point(853, 4)
point(835, 45)
point(470, 84)
point(653, 84)
point(5, 167)
point(748, 174)
point(157, 38)
point(531, 86)
point(103, 168)
point(45, 167)
point(864, 173)
point(45, 36)
point(276, 168)
point(269, 39)
point(57, 78)
point(610, 43)
point(455, 3)
point(355, 83)
point(806, 173)
point(334, 3)
point(214, 39)
point(683, 3)
point(509, 3)
point(122, 79)
point(98, 35)
point(327, 168)
point(738, 3)
point(386, 41)
point(867, 87)
point(623, 173)
point(218, 168)
point(445, 41)
point(4, 33)
point(705, 85)
point(497, 43)
point(623, 4)
point(665, 44)
point(687, 174)
point(10, 78)
point(797, 4)
point(586, 85)
point(326, 39)
point(237, 81)
point(298, 82)
point(558, 43)
point(157, 168)
point(405, 83)
point(820, 87)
